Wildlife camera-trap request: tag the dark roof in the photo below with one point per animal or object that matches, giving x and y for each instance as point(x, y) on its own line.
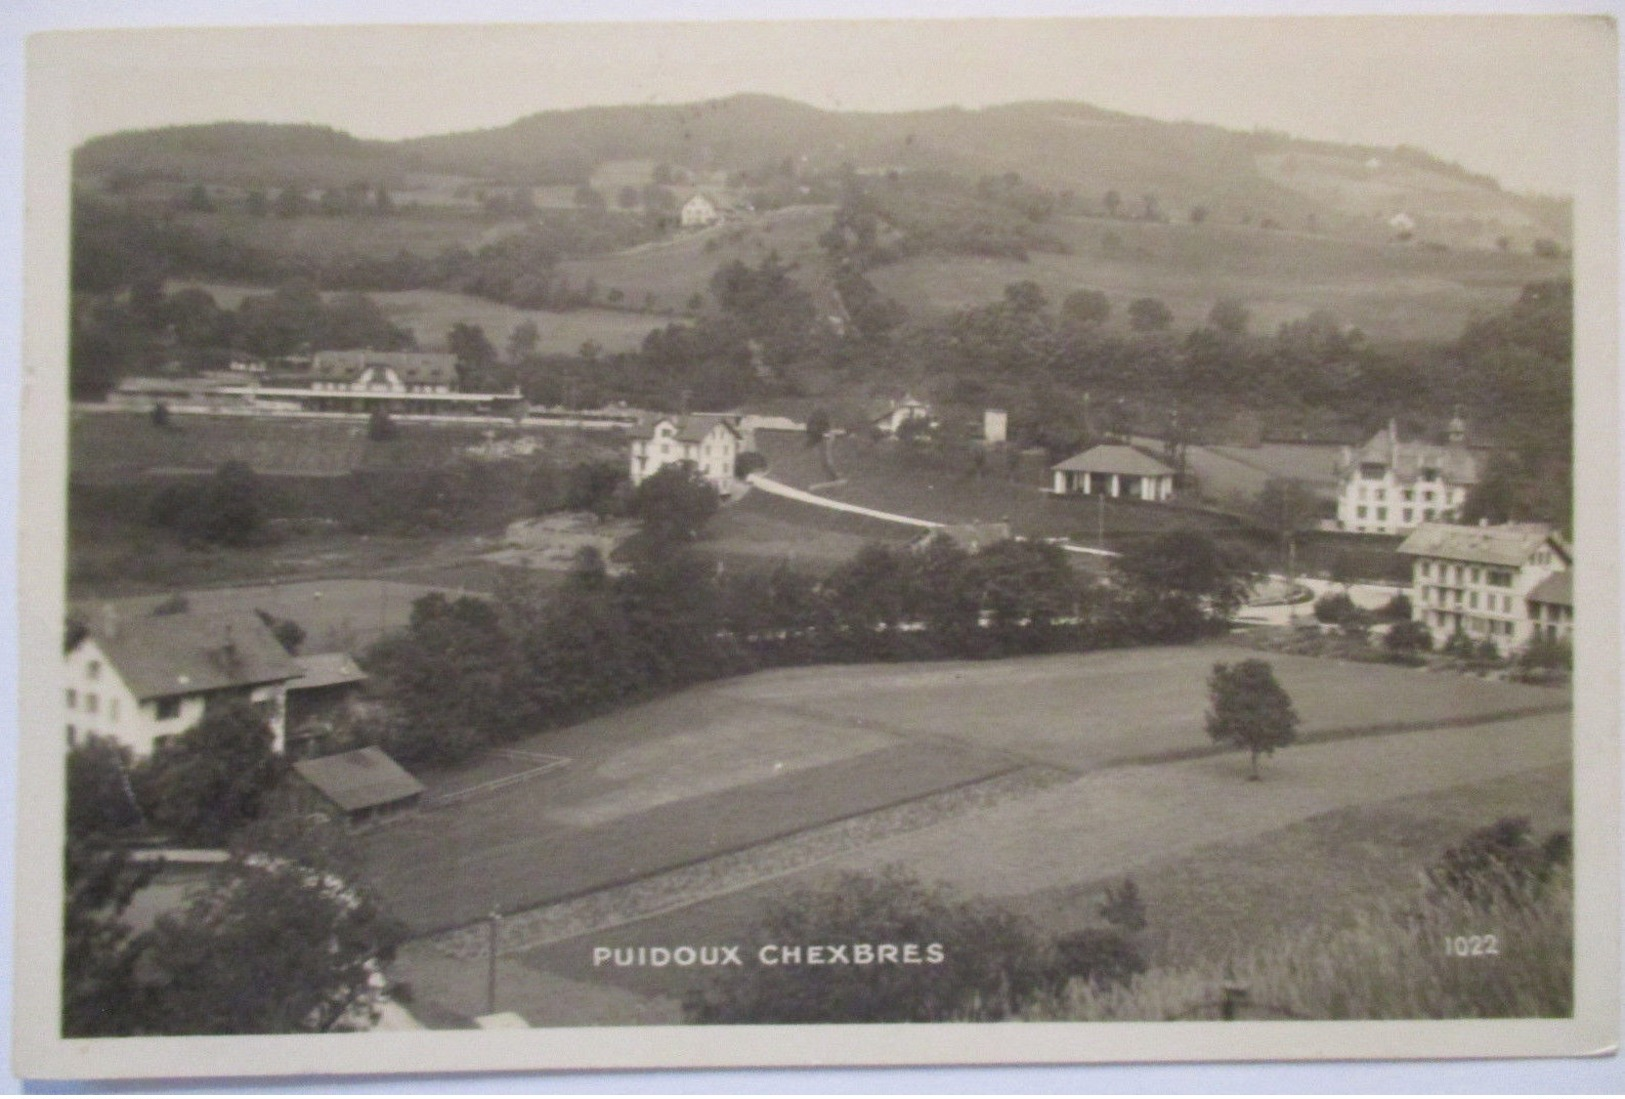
point(1115, 458)
point(1509, 544)
point(159, 656)
point(1456, 464)
point(691, 428)
point(359, 780)
point(326, 670)
point(1556, 588)
point(412, 367)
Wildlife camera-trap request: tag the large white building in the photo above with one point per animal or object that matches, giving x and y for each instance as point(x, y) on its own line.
point(141, 679)
point(1390, 487)
point(709, 441)
point(384, 372)
point(1497, 583)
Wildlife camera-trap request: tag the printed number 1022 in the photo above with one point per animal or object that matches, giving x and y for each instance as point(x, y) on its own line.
point(1471, 946)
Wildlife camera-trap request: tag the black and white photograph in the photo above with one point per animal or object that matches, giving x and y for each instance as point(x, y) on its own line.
point(691, 542)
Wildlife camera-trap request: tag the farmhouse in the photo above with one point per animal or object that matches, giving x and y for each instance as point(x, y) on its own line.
point(699, 211)
point(365, 785)
point(708, 440)
point(141, 680)
point(1112, 469)
point(1389, 486)
point(1502, 584)
point(326, 682)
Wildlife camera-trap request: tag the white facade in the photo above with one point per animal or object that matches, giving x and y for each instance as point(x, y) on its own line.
point(1391, 487)
point(98, 702)
point(699, 212)
point(1478, 580)
point(1116, 470)
point(710, 443)
point(995, 426)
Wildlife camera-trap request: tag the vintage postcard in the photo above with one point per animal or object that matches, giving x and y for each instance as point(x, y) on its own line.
point(882, 541)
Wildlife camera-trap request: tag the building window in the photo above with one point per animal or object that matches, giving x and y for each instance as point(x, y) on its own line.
point(93, 669)
point(1382, 515)
point(73, 736)
point(1430, 474)
point(73, 698)
point(1409, 496)
point(1382, 494)
point(1407, 512)
point(1472, 599)
point(90, 703)
point(168, 708)
point(1427, 568)
point(1372, 471)
point(1359, 513)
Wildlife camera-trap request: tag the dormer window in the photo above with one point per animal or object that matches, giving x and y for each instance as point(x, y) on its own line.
point(1429, 473)
point(1373, 471)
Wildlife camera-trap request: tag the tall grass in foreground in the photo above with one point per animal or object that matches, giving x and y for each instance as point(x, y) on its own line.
point(1394, 963)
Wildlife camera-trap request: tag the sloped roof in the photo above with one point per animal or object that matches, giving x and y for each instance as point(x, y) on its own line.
point(159, 656)
point(1456, 464)
point(419, 367)
point(1509, 544)
point(1556, 588)
point(691, 428)
point(326, 670)
point(359, 780)
point(1115, 458)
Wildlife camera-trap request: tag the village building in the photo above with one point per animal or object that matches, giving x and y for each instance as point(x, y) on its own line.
point(384, 371)
point(326, 683)
point(699, 211)
point(710, 441)
point(364, 786)
point(1390, 486)
point(1490, 583)
point(1112, 469)
point(1551, 608)
point(972, 537)
point(140, 680)
point(888, 417)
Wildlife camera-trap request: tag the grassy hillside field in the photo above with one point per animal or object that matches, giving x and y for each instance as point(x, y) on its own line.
point(430, 314)
point(1351, 817)
point(1389, 291)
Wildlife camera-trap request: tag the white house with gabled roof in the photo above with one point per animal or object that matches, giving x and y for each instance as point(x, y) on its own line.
point(141, 679)
point(1112, 469)
point(1488, 582)
point(709, 440)
point(1390, 485)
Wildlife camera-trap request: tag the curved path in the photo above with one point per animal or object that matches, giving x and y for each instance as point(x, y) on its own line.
point(777, 488)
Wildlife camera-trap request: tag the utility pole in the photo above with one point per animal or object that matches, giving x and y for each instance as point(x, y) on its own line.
point(1100, 520)
point(493, 922)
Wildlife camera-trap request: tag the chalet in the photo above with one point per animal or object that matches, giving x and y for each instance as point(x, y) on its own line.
point(1112, 469)
point(143, 679)
point(1490, 582)
point(699, 211)
point(384, 372)
point(365, 785)
point(710, 441)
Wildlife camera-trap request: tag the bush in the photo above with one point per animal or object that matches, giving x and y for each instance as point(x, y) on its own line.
point(1397, 609)
point(1547, 653)
point(1336, 608)
point(1099, 956)
point(1501, 864)
point(749, 462)
point(1408, 637)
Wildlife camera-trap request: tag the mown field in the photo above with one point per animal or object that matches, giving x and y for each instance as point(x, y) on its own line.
point(1391, 292)
point(424, 232)
point(718, 766)
point(1220, 861)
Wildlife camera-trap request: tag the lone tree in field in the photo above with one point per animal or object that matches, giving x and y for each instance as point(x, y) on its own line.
point(1250, 709)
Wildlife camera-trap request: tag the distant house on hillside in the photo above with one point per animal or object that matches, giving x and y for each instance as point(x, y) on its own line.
point(708, 440)
point(888, 417)
point(365, 785)
point(699, 211)
point(1402, 224)
point(143, 679)
point(1489, 582)
point(384, 372)
point(1112, 469)
point(1390, 486)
